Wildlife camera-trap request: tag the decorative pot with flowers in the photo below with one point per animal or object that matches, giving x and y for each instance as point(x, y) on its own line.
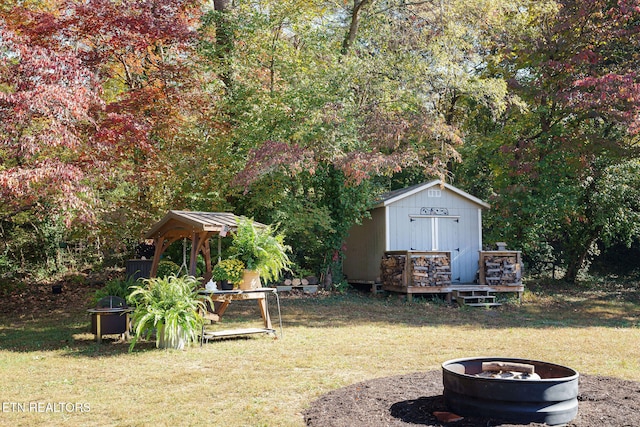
point(228, 272)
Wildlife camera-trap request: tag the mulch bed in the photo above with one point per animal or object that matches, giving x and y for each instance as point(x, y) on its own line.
point(39, 300)
point(412, 399)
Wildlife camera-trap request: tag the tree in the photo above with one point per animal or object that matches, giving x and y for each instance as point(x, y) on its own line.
point(549, 159)
point(47, 104)
point(319, 99)
point(91, 101)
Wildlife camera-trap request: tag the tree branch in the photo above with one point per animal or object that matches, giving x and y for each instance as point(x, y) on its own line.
point(353, 25)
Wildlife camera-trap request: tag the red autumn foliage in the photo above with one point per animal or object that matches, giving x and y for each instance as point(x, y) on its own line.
point(57, 126)
point(594, 45)
point(45, 103)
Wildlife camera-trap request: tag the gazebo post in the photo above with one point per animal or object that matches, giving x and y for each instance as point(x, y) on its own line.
point(161, 243)
point(206, 251)
point(200, 243)
point(193, 261)
point(158, 241)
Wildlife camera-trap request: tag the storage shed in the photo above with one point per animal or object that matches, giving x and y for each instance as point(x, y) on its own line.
point(432, 217)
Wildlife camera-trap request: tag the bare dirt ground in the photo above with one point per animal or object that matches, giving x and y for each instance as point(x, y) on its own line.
point(412, 400)
point(37, 300)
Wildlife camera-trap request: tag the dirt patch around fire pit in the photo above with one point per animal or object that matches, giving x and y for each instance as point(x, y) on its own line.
point(412, 399)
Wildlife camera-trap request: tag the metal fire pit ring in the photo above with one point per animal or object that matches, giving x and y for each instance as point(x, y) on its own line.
point(552, 399)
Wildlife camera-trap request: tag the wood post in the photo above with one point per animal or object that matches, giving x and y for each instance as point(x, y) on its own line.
point(193, 258)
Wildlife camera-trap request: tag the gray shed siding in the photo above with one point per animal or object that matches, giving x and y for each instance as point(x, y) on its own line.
point(433, 218)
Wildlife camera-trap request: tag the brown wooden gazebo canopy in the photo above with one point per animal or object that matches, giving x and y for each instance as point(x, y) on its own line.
point(197, 226)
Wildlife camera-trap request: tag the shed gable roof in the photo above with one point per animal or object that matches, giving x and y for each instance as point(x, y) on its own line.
point(393, 196)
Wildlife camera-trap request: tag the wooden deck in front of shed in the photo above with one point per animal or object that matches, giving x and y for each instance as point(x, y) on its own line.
point(449, 292)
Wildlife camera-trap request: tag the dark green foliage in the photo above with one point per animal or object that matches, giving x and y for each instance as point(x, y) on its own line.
point(168, 268)
point(115, 287)
point(34, 246)
point(315, 212)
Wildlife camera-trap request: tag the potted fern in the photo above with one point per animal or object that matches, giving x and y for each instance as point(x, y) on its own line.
point(170, 306)
point(262, 250)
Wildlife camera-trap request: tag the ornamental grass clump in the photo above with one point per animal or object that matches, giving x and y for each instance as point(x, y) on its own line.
point(170, 307)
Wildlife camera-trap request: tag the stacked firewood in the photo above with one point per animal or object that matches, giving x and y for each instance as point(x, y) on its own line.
point(502, 270)
point(424, 270)
point(430, 270)
point(392, 269)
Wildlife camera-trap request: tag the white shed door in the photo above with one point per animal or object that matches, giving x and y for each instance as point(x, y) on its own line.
point(423, 234)
point(437, 233)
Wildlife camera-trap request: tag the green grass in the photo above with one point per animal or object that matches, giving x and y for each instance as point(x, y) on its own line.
point(329, 342)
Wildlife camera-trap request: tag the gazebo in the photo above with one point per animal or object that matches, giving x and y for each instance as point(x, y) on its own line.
point(197, 226)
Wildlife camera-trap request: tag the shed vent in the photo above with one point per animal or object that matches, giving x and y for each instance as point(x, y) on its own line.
point(434, 193)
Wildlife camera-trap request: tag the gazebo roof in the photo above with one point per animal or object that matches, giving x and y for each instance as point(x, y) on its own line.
point(178, 224)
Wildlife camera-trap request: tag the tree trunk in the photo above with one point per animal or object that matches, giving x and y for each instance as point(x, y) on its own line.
point(353, 25)
point(586, 234)
point(221, 5)
point(578, 258)
point(224, 42)
point(574, 265)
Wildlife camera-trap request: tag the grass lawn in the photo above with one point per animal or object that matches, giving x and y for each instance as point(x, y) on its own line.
point(50, 359)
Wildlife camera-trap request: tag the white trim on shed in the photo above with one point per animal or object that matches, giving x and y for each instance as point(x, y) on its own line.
point(393, 196)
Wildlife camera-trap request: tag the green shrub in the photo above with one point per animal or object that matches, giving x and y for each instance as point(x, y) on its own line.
point(167, 268)
point(115, 287)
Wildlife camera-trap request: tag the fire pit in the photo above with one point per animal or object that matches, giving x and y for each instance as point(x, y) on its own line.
point(513, 390)
point(110, 317)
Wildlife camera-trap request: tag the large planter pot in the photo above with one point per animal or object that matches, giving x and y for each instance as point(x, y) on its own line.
point(177, 342)
point(250, 280)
